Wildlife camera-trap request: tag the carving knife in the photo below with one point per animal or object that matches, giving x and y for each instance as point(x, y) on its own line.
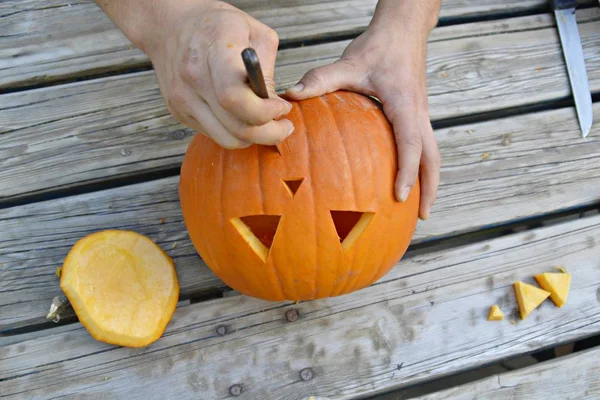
point(564, 12)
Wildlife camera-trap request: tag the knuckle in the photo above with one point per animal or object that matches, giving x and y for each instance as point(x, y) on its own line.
point(314, 77)
point(410, 141)
point(191, 71)
point(227, 98)
point(271, 38)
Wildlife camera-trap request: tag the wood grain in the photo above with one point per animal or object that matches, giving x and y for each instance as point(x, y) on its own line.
point(61, 137)
point(49, 40)
point(536, 164)
point(425, 319)
point(575, 376)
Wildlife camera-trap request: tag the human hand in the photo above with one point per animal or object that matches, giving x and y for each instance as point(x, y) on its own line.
point(196, 53)
point(389, 63)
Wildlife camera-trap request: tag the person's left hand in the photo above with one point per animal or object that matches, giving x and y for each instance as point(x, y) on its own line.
point(390, 65)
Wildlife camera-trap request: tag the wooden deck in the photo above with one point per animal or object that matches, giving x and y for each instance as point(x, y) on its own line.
point(86, 143)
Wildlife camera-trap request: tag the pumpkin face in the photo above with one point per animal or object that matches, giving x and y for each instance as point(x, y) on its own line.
point(314, 217)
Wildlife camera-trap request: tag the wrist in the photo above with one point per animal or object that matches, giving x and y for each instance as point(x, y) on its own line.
point(146, 23)
point(407, 17)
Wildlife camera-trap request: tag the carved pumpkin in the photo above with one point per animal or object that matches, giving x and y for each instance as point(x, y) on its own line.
point(314, 217)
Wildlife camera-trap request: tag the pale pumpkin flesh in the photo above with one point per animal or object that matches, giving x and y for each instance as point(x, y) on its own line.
point(122, 286)
point(529, 297)
point(558, 284)
point(495, 313)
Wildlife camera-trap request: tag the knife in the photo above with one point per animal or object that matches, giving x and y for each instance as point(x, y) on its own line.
point(564, 12)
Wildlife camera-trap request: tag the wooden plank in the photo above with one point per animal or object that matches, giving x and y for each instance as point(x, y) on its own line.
point(576, 376)
point(51, 40)
point(64, 136)
point(425, 319)
point(536, 164)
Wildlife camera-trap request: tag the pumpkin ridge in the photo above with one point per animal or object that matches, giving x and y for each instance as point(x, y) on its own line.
point(224, 157)
point(311, 172)
point(331, 110)
point(380, 120)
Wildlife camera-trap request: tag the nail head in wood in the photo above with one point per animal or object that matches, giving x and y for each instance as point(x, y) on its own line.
point(306, 374)
point(221, 330)
point(235, 390)
point(292, 315)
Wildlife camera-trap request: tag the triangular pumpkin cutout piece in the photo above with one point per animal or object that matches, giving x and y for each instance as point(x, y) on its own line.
point(258, 231)
point(293, 185)
point(495, 314)
point(529, 297)
point(350, 225)
point(558, 284)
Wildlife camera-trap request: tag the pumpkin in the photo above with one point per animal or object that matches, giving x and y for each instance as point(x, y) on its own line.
point(529, 297)
point(122, 286)
point(495, 313)
point(558, 284)
point(311, 218)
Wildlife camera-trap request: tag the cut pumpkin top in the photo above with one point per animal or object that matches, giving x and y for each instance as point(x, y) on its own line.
point(122, 286)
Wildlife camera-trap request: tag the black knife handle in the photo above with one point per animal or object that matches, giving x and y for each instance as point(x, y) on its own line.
point(255, 75)
point(563, 4)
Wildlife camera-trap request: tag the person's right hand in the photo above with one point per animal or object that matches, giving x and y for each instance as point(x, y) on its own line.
point(196, 53)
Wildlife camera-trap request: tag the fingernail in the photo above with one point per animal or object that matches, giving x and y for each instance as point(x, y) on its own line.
point(425, 215)
point(404, 194)
point(288, 105)
point(298, 88)
point(291, 128)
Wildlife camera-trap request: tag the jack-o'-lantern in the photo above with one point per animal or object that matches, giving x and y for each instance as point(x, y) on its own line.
point(313, 217)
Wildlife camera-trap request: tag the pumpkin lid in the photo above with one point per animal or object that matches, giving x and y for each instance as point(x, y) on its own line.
point(122, 286)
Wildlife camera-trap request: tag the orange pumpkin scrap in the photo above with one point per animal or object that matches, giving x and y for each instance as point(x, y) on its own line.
point(529, 297)
point(495, 313)
point(314, 217)
point(122, 286)
point(558, 284)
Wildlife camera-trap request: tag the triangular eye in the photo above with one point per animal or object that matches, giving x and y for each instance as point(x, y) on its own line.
point(258, 231)
point(293, 185)
point(350, 225)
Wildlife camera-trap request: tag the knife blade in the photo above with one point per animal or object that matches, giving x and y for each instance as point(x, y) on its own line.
point(564, 12)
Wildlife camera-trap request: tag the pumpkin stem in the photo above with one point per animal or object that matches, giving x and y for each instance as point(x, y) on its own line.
point(59, 304)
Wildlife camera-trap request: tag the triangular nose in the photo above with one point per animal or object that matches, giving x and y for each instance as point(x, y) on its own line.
point(293, 184)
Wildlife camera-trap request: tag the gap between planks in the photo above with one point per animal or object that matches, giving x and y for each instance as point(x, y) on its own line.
point(425, 319)
point(573, 376)
point(536, 164)
point(110, 130)
point(59, 40)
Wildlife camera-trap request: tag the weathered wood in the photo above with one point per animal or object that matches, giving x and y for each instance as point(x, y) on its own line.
point(48, 40)
point(534, 164)
point(425, 319)
point(576, 376)
point(64, 136)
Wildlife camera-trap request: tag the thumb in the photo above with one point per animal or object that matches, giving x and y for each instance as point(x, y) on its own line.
point(326, 79)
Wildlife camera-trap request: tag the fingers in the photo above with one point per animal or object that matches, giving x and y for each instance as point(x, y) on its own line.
point(266, 42)
point(342, 74)
point(210, 126)
point(429, 173)
point(409, 144)
point(231, 89)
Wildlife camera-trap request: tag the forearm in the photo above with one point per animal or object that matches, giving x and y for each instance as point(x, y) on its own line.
point(140, 20)
point(408, 16)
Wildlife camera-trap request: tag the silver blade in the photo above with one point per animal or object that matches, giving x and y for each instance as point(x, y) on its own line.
point(571, 44)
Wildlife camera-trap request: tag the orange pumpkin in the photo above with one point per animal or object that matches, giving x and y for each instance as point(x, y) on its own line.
point(314, 217)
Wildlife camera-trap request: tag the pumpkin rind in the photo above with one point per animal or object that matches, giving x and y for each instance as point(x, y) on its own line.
point(341, 157)
point(122, 286)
